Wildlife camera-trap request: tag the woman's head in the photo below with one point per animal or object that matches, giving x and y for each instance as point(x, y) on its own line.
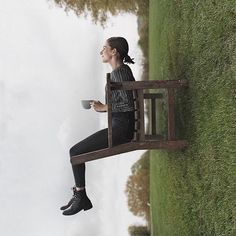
point(119, 47)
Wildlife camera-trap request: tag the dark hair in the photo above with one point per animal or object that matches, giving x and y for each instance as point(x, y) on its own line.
point(122, 47)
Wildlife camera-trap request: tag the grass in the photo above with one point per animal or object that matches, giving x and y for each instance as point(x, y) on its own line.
point(191, 191)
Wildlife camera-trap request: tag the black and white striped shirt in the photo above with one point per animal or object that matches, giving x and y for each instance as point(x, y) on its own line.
point(122, 100)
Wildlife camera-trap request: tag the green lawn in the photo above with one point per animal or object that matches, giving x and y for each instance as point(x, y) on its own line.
point(191, 191)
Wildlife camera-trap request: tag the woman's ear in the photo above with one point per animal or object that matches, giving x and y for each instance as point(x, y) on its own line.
point(114, 51)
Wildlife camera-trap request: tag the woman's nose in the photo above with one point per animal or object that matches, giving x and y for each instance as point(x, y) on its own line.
point(101, 52)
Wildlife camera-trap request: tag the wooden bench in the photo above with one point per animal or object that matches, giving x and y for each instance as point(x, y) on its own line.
point(141, 141)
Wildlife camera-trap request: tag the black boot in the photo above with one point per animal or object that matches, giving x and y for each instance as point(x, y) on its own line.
point(71, 200)
point(80, 202)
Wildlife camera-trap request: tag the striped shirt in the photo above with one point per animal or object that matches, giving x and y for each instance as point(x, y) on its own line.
point(122, 100)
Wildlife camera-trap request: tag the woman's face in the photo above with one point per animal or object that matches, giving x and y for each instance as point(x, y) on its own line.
point(107, 53)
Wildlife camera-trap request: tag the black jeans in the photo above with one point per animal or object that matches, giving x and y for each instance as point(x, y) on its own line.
point(122, 132)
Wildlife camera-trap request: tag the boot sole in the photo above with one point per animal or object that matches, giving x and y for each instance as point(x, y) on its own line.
point(85, 209)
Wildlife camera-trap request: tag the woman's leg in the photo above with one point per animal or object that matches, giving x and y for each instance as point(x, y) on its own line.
point(80, 200)
point(94, 142)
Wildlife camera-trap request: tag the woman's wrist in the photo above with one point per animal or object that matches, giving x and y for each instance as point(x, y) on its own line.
point(102, 108)
point(105, 108)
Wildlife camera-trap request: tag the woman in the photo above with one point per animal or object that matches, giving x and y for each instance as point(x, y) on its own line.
point(114, 52)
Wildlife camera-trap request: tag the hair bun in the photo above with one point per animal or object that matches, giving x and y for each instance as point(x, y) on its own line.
point(128, 59)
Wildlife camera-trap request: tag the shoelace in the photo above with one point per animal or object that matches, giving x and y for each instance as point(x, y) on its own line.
point(74, 192)
point(77, 194)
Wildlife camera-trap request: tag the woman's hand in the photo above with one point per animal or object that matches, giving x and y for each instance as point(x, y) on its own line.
point(98, 106)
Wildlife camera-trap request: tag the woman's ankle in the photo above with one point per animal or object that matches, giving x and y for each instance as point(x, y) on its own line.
point(79, 188)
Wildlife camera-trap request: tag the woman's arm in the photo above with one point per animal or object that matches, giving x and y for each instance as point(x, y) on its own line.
point(98, 106)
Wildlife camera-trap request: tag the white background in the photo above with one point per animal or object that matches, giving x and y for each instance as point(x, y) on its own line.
point(49, 61)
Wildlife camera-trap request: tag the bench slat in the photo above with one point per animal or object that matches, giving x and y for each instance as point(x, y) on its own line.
point(127, 147)
point(154, 84)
